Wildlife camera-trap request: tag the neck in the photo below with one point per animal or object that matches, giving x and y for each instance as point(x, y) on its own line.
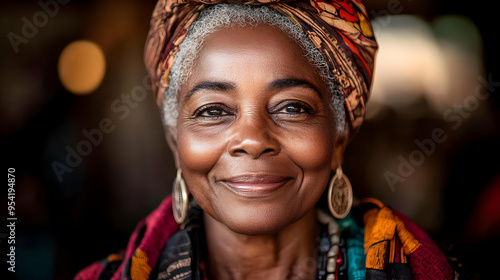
point(287, 254)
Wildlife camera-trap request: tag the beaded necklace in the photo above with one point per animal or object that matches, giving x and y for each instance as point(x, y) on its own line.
point(329, 247)
point(188, 243)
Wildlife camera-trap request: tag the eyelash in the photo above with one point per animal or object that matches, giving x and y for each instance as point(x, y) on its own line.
point(277, 109)
point(304, 108)
point(206, 108)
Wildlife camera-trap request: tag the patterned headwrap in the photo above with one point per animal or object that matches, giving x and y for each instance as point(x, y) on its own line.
point(339, 29)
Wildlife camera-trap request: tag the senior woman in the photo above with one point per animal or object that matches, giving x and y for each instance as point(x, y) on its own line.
point(259, 101)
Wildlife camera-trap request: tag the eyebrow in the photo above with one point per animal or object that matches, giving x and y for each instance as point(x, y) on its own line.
point(214, 86)
point(286, 83)
point(276, 85)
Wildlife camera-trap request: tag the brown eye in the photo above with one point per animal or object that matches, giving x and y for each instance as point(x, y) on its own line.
point(212, 111)
point(294, 108)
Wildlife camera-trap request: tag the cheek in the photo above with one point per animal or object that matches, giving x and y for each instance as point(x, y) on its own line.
point(312, 149)
point(199, 152)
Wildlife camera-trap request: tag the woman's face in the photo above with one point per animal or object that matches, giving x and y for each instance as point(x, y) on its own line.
point(255, 135)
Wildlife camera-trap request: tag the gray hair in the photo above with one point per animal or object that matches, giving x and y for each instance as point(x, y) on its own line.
point(219, 16)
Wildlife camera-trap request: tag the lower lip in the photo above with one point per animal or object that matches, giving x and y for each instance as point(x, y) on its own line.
point(258, 189)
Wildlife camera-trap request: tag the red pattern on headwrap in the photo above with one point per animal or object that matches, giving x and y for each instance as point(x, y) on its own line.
point(339, 29)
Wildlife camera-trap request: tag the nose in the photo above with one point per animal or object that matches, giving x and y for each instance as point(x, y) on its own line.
point(253, 136)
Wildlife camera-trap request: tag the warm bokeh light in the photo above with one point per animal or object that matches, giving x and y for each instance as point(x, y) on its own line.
point(82, 66)
point(409, 63)
point(437, 61)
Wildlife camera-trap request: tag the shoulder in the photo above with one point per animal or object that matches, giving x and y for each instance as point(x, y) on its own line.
point(102, 269)
point(143, 248)
point(394, 244)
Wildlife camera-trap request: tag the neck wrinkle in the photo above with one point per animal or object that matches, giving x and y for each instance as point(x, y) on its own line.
point(279, 256)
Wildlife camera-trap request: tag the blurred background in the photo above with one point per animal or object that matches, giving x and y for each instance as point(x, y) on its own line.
point(79, 124)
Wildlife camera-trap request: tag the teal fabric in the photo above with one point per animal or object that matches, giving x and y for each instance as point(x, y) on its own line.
point(354, 236)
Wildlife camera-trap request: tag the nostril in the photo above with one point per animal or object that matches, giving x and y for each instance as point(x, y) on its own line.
point(240, 151)
point(268, 151)
point(253, 154)
point(253, 143)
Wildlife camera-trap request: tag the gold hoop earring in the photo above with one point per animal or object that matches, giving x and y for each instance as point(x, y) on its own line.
point(340, 195)
point(179, 198)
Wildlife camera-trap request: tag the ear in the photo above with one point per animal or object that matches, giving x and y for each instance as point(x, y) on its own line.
point(340, 144)
point(171, 135)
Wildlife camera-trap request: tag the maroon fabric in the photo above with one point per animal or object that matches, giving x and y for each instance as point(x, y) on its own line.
point(160, 225)
point(427, 262)
point(90, 272)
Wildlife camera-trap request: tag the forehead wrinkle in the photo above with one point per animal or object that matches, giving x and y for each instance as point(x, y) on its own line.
point(227, 15)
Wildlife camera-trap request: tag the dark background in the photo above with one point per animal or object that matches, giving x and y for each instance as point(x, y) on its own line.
point(65, 225)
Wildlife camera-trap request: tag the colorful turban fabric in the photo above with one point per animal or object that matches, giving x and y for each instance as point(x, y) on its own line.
point(339, 29)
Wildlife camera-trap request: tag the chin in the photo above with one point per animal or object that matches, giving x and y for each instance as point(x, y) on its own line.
point(260, 221)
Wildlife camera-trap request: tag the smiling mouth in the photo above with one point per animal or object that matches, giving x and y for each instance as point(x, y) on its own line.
point(255, 185)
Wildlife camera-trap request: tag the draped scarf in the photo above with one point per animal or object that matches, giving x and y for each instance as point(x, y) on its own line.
point(391, 247)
